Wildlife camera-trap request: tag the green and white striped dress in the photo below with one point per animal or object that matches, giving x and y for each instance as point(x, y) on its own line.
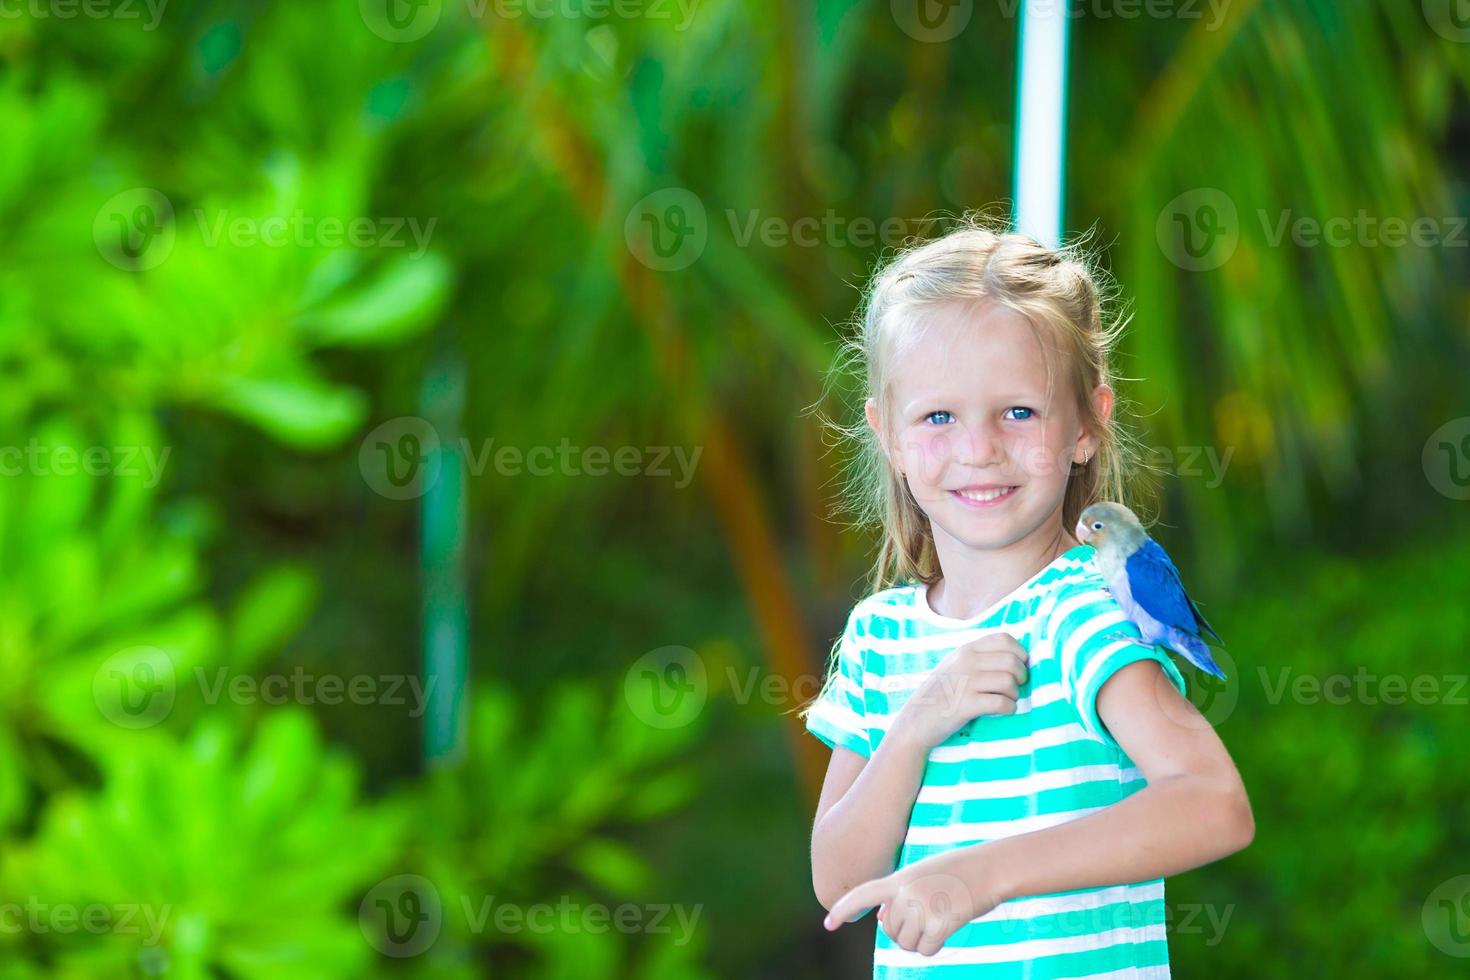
point(1001, 775)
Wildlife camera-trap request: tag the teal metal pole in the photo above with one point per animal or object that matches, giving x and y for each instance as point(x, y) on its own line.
point(1041, 115)
point(442, 524)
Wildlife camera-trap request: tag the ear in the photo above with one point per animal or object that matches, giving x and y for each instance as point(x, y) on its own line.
point(1102, 404)
point(875, 422)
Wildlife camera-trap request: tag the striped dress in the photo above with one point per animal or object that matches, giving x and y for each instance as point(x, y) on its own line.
point(1000, 775)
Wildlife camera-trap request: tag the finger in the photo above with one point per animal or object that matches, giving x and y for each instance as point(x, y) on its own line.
point(850, 907)
point(997, 682)
point(909, 930)
point(930, 942)
point(1012, 662)
point(992, 704)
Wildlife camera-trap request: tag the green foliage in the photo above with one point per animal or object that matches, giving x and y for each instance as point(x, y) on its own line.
point(1348, 729)
point(531, 817)
point(215, 854)
point(142, 310)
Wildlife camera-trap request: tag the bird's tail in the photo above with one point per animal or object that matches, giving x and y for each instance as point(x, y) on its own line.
point(1195, 651)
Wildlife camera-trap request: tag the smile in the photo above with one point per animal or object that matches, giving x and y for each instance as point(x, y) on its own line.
point(984, 497)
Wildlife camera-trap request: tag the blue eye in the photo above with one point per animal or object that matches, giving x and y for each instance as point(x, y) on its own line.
point(939, 418)
point(1019, 408)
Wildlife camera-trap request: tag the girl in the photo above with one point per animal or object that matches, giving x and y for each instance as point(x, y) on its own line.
point(1011, 776)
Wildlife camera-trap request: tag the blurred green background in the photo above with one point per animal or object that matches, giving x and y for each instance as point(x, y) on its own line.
point(338, 335)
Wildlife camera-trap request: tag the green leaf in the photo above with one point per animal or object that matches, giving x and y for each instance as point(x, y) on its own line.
point(612, 866)
point(270, 610)
point(407, 297)
point(307, 414)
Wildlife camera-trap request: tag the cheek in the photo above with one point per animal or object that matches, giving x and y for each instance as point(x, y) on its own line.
point(926, 452)
point(1041, 452)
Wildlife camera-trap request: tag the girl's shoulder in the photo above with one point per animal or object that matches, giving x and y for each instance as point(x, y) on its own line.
point(895, 602)
point(903, 596)
point(1074, 581)
point(1076, 569)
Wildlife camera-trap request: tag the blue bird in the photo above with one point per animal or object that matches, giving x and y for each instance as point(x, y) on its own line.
point(1146, 584)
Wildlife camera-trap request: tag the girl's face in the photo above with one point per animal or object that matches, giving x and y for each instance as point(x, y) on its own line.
point(985, 451)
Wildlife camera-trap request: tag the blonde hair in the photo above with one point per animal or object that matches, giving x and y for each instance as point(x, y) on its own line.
point(1064, 296)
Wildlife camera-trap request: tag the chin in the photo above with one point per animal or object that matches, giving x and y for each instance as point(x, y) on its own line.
point(981, 531)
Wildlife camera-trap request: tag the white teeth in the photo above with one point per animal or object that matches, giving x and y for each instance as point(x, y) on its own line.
point(984, 495)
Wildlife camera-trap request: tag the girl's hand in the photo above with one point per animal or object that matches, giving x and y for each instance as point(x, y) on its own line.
point(923, 903)
point(981, 677)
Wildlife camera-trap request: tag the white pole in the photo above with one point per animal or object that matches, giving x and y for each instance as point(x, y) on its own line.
point(1041, 114)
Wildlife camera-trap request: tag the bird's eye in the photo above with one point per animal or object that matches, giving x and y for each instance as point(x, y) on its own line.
point(1097, 525)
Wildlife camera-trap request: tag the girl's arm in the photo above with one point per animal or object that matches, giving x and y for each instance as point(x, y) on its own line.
point(863, 814)
point(1193, 811)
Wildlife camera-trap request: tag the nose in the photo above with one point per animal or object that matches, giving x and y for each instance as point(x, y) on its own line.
point(980, 445)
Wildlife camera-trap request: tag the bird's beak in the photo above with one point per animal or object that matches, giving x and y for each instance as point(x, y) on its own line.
point(1082, 531)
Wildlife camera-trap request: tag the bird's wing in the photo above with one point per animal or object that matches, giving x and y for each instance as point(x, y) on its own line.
point(1158, 589)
